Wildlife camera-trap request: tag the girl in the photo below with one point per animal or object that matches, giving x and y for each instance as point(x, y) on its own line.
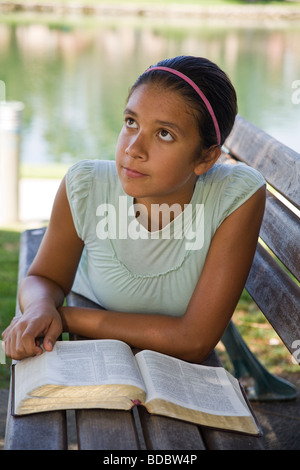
point(162, 238)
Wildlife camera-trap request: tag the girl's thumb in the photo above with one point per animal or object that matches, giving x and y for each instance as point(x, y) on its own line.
point(50, 337)
point(48, 343)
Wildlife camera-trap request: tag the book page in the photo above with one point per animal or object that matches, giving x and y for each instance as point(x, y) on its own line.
point(189, 385)
point(92, 362)
point(89, 362)
point(28, 374)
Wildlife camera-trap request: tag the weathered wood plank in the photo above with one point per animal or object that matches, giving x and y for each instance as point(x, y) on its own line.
point(41, 431)
point(162, 433)
point(279, 164)
point(77, 300)
point(106, 430)
point(222, 440)
point(277, 295)
point(280, 230)
point(29, 245)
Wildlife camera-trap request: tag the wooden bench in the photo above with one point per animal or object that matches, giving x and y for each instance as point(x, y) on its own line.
point(276, 293)
point(274, 288)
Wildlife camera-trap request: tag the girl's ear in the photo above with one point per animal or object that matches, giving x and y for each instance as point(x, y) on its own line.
point(208, 159)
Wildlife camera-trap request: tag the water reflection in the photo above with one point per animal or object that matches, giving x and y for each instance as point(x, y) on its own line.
point(74, 80)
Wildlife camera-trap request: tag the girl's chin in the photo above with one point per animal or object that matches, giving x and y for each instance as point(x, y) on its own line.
point(133, 189)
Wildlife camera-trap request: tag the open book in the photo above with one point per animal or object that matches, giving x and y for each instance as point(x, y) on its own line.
point(106, 374)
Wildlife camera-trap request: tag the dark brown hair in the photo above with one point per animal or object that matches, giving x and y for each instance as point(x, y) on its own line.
point(211, 80)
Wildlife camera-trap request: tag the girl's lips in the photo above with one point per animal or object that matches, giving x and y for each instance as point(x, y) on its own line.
point(133, 173)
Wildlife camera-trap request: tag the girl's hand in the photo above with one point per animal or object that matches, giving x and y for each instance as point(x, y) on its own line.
point(22, 338)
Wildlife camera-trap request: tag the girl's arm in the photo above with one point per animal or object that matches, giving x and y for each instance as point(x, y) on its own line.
point(195, 334)
point(49, 279)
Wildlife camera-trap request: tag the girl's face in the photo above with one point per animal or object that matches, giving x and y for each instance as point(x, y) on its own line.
point(156, 153)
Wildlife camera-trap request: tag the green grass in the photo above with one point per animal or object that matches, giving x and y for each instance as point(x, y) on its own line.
point(261, 339)
point(9, 255)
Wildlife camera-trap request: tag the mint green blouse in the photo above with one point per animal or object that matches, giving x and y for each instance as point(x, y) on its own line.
point(128, 269)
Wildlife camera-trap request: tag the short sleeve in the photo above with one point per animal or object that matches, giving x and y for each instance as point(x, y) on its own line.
point(240, 185)
point(79, 181)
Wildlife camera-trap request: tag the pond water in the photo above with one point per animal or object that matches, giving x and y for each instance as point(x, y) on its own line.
point(73, 78)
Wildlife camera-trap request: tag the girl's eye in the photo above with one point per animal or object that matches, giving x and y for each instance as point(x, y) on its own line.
point(165, 135)
point(130, 123)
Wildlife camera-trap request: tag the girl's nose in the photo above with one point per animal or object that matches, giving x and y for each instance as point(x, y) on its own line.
point(137, 147)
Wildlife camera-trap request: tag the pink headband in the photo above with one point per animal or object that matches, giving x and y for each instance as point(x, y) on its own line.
point(200, 93)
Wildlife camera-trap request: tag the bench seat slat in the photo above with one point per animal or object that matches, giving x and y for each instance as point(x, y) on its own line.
point(40, 431)
point(279, 164)
point(106, 430)
point(163, 433)
point(222, 440)
point(277, 295)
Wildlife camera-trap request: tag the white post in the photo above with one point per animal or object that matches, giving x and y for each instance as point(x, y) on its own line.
point(10, 130)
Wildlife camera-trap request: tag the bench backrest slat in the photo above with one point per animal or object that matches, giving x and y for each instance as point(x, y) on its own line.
point(276, 295)
point(279, 164)
point(281, 232)
point(274, 289)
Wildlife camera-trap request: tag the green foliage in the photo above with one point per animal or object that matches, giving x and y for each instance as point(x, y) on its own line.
point(261, 338)
point(9, 255)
